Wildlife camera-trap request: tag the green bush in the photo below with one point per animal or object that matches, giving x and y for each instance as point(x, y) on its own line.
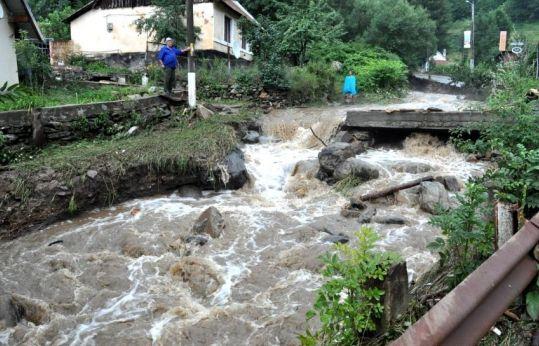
point(312, 82)
point(34, 66)
point(247, 78)
point(480, 77)
point(468, 231)
point(348, 304)
point(376, 69)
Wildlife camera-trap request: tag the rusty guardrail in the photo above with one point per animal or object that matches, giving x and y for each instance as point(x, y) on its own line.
point(468, 312)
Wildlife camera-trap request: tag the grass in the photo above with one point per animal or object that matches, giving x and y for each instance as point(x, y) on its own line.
point(174, 149)
point(54, 94)
point(529, 30)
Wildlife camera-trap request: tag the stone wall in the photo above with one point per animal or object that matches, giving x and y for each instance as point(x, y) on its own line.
point(70, 122)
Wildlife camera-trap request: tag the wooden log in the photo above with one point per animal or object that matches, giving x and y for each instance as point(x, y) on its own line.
point(392, 189)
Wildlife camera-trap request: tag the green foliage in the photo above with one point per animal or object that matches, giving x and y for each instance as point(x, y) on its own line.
point(167, 21)
point(8, 93)
point(314, 81)
point(439, 11)
point(34, 67)
point(523, 10)
point(57, 94)
point(349, 303)
point(375, 68)
point(468, 233)
point(5, 157)
point(304, 23)
point(54, 26)
point(488, 27)
point(72, 206)
point(410, 34)
point(532, 303)
point(480, 77)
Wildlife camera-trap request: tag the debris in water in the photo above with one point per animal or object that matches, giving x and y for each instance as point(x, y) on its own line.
point(56, 242)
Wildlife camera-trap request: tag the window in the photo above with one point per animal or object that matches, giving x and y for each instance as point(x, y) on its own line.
point(228, 29)
point(243, 42)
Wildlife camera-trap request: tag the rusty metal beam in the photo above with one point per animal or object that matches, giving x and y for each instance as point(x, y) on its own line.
point(494, 284)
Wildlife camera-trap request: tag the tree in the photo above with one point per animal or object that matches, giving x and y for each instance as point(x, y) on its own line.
point(521, 11)
point(440, 12)
point(54, 26)
point(410, 34)
point(167, 21)
point(265, 8)
point(34, 66)
point(304, 23)
point(355, 15)
point(487, 34)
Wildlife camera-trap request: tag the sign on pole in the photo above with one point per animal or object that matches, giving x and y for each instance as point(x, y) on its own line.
point(503, 41)
point(468, 39)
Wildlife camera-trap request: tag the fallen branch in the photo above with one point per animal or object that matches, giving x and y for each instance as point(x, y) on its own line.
point(315, 136)
point(392, 189)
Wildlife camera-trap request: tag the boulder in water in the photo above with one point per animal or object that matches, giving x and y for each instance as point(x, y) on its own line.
point(191, 191)
point(199, 274)
point(432, 196)
point(367, 215)
point(412, 167)
point(340, 238)
point(236, 174)
point(353, 210)
point(451, 183)
point(357, 168)
point(306, 168)
point(333, 155)
point(390, 219)
point(210, 222)
point(199, 240)
point(251, 137)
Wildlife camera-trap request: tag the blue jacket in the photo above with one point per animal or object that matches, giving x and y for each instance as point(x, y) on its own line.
point(168, 56)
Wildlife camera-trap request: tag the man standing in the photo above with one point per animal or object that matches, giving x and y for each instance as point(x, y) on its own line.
point(168, 60)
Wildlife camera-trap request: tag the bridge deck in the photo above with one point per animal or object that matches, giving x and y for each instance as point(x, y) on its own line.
point(414, 119)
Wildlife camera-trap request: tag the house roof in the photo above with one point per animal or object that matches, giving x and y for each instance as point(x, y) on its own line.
point(232, 4)
point(23, 18)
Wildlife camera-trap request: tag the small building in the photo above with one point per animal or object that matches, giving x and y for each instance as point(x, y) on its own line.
point(106, 27)
point(15, 15)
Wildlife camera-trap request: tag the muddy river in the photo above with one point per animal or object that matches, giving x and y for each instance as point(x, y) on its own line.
point(123, 275)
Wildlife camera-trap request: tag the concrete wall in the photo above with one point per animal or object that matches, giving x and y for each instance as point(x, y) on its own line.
point(220, 44)
point(8, 59)
point(89, 31)
point(71, 122)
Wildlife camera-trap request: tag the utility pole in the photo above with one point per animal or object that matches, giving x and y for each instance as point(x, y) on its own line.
point(472, 59)
point(191, 75)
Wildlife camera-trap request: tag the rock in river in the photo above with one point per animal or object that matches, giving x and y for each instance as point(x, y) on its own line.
point(236, 173)
point(210, 222)
point(251, 137)
point(432, 195)
point(333, 155)
point(357, 168)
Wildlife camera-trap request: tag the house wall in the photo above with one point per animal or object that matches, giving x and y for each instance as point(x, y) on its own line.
point(8, 59)
point(89, 31)
point(220, 45)
point(204, 19)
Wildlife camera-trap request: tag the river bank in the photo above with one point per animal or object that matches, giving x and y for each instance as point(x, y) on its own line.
point(253, 284)
point(61, 181)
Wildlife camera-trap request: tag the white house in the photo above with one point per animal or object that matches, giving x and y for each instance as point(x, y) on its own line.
point(108, 27)
point(15, 15)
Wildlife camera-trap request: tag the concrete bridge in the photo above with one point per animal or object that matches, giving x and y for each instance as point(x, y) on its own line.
point(405, 119)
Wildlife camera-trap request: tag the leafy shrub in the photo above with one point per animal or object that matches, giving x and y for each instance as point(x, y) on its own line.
point(469, 234)
point(311, 82)
point(247, 78)
point(34, 66)
point(480, 77)
point(348, 304)
point(376, 69)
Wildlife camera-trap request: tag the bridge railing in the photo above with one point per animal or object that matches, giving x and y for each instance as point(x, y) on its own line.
point(470, 310)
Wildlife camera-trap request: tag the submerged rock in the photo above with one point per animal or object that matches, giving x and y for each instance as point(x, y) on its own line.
point(340, 238)
point(306, 168)
point(412, 167)
point(367, 215)
point(251, 137)
point(358, 168)
point(210, 222)
point(199, 240)
point(333, 155)
point(191, 191)
point(390, 219)
point(199, 274)
point(353, 210)
point(432, 195)
point(451, 183)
